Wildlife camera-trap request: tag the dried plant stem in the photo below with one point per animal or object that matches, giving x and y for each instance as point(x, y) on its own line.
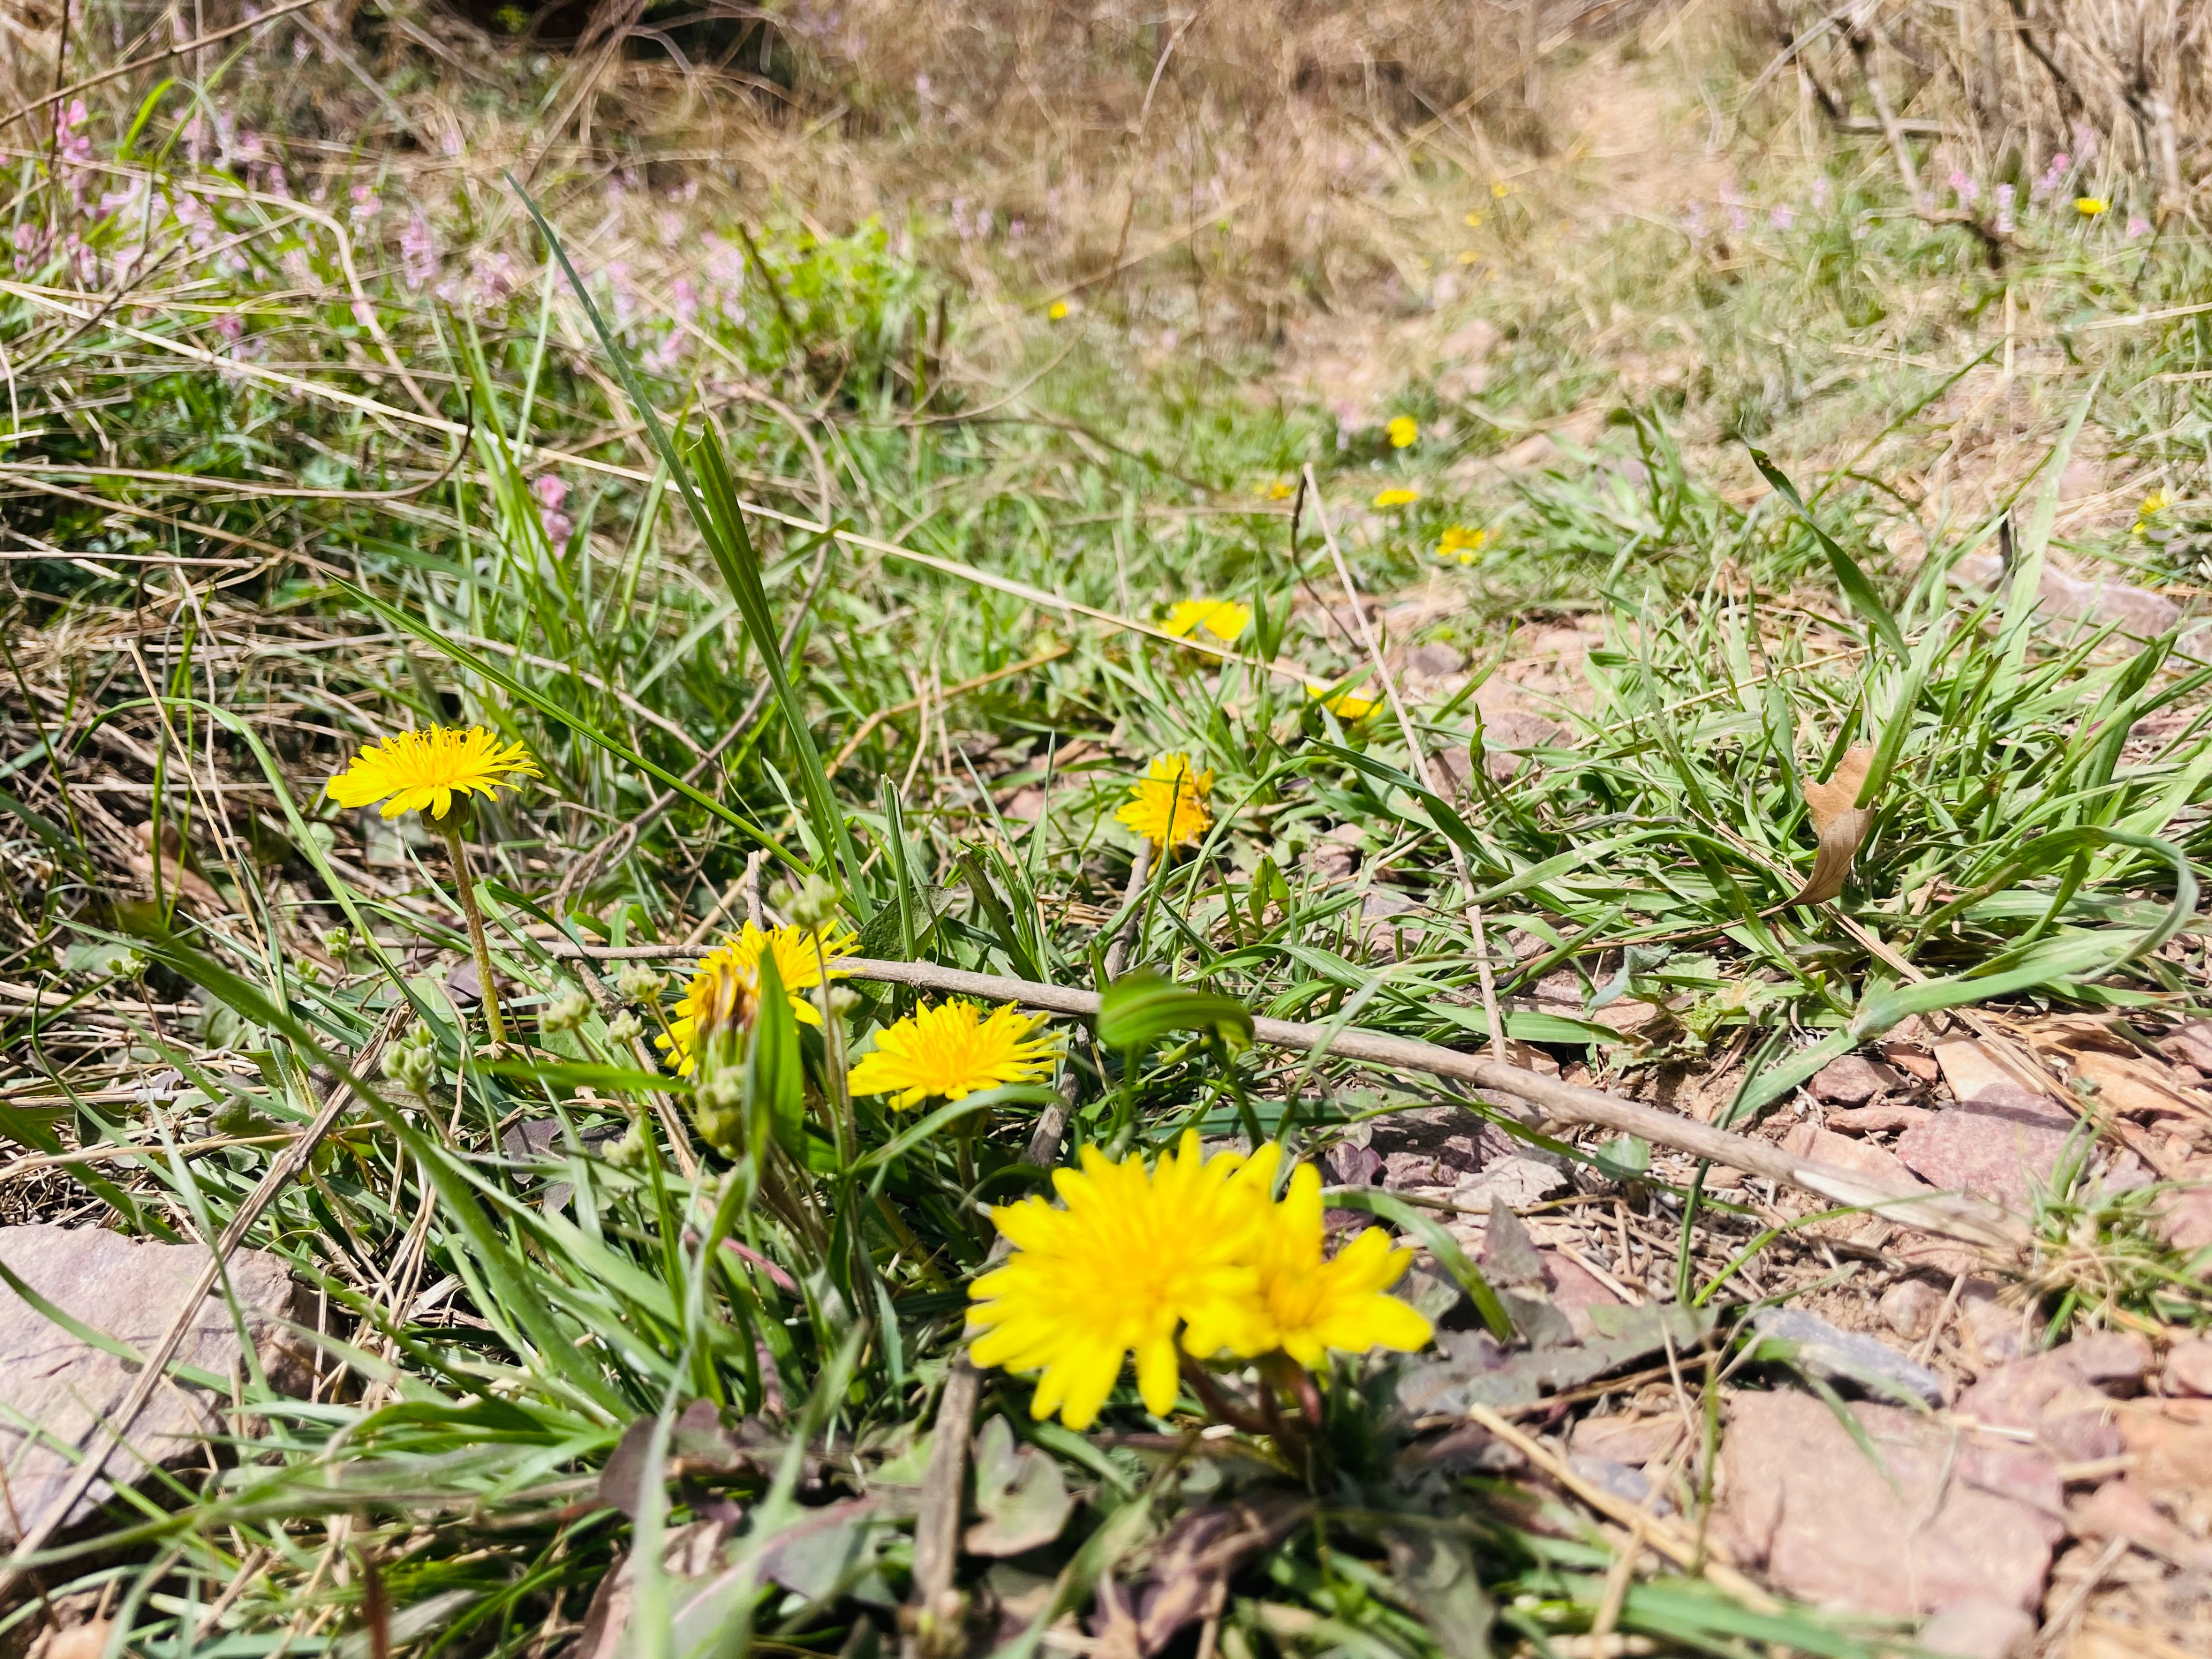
point(1949, 1215)
point(464, 880)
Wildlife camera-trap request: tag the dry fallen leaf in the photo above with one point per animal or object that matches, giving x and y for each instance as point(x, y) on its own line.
point(1841, 826)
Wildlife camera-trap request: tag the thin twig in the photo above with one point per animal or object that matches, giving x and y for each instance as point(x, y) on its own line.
point(1949, 1215)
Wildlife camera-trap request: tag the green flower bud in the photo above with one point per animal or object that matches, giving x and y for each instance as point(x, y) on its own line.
point(639, 983)
point(627, 1150)
point(566, 1012)
point(623, 1030)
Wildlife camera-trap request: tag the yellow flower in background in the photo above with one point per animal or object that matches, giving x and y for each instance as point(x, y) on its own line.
point(1280, 491)
point(1057, 309)
point(1500, 189)
point(1132, 1255)
point(1468, 257)
point(731, 971)
point(1404, 431)
point(2152, 505)
point(1399, 497)
point(1308, 1306)
point(426, 768)
point(950, 1051)
point(1475, 221)
point(1463, 542)
point(2090, 206)
point(1168, 806)
point(1345, 705)
point(1224, 619)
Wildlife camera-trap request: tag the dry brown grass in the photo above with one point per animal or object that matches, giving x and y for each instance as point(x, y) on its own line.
point(2122, 88)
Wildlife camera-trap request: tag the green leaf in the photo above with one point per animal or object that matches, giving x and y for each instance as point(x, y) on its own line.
point(1858, 592)
point(774, 1086)
point(1140, 1007)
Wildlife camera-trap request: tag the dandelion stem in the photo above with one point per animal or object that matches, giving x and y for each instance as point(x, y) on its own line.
point(465, 879)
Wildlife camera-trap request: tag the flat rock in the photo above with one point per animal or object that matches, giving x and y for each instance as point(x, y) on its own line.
point(2191, 1044)
point(1980, 1628)
point(1517, 1181)
point(2171, 1441)
point(1809, 1140)
point(2122, 1509)
point(1909, 1306)
point(1839, 1356)
point(133, 1292)
point(2189, 1367)
point(1638, 1441)
point(2063, 1397)
point(1852, 1080)
point(1971, 1072)
point(1998, 1145)
point(2184, 1214)
point(1878, 1119)
point(1943, 1521)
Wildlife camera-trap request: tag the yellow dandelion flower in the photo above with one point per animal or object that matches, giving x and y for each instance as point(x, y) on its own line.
point(426, 768)
point(1280, 491)
point(1308, 1305)
point(950, 1051)
point(2152, 505)
point(1468, 257)
point(1224, 619)
point(1168, 806)
point(1404, 431)
point(1500, 189)
point(1057, 309)
point(2090, 206)
point(1129, 1256)
point(1463, 542)
point(1400, 497)
point(734, 969)
point(1475, 221)
point(1345, 705)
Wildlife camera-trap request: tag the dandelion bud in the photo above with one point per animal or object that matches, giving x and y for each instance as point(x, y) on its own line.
point(717, 1109)
point(623, 1030)
point(639, 983)
point(841, 998)
point(627, 1150)
point(413, 1063)
point(567, 1011)
point(813, 905)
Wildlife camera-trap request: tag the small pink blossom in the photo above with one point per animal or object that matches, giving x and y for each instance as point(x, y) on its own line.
point(552, 492)
point(418, 254)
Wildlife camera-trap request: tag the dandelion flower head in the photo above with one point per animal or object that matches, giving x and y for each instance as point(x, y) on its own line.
point(1168, 806)
point(731, 971)
point(1129, 1257)
point(1400, 497)
point(1405, 432)
point(1057, 309)
point(1308, 1306)
point(416, 769)
point(2090, 206)
point(1224, 619)
point(949, 1051)
point(1345, 705)
point(2152, 505)
point(1462, 544)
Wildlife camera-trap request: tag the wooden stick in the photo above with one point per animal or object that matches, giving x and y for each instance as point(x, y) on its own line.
point(1950, 1215)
